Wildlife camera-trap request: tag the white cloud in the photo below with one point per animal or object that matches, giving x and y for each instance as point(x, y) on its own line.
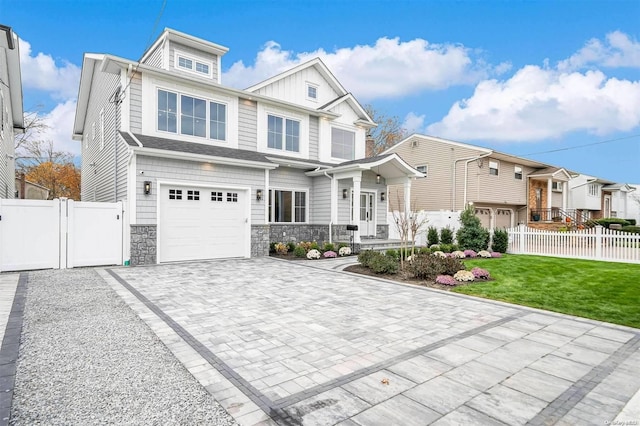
point(60, 121)
point(413, 123)
point(389, 68)
point(41, 72)
point(538, 103)
point(618, 50)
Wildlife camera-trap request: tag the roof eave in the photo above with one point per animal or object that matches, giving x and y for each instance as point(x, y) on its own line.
point(164, 153)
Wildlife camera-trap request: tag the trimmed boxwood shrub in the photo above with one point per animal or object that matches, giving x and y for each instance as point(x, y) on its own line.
point(446, 236)
point(299, 251)
point(383, 264)
point(632, 229)
point(632, 222)
point(428, 267)
point(291, 246)
point(366, 256)
point(432, 236)
point(609, 220)
point(393, 253)
point(500, 241)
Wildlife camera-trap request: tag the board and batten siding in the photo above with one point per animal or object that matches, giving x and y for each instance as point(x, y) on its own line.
point(314, 140)
point(190, 51)
point(502, 189)
point(135, 100)
point(192, 172)
point(101, 179)
point(320, 203)
point(155, 58)
point(247, 124)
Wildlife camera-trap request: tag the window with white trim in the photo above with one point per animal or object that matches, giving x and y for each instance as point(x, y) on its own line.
point(423, 169)
point(101, 129)
point(556, 186)
point(287, 206)
point(594, 190)
point(343, 144)
point(493, 167)
point(517, 172)
point(312, 92)
point(191, 116)
point(194, 65)
point(283, 133)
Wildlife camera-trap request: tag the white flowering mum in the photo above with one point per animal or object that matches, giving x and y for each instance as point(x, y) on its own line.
point(484, 253)
point(458, 254)
point(313, 254)
point(344, 251)
point(439, 253)
point(464, 276)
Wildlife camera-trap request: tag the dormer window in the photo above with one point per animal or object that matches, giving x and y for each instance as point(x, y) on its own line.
point(197, 66)
point(312, 92)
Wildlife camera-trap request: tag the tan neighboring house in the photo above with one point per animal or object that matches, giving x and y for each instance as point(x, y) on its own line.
point(26, 190)
point(504, 189)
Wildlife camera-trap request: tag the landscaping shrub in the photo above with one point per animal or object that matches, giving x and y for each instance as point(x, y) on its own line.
point(291, 246)
point(432, 236)
point(470, 253)
point(314, 246)
point(330, 254)
point(447, 248)
point(458, 254)
point(496, 254)
point(500, 241)
point(438, 253)
point(306, 245)
point(632, 222)
point(313, 254)
point(446, 280)
point(632, 229)
point(299, 251)
point(393, 253)
point(610, 220)
point(434, 247)
point(340, 245)
point(472, 235)
point(484, 253)
point(480, 274)
point(446, 236)
point(272, 247)
point(366, 256)
point(424, 250)
point(328, 247)
point(384, 264)
point(429, 267)
point(344, 251)
point(464, 276)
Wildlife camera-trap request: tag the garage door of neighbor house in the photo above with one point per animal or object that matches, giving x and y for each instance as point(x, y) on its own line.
point(485, 217)
point(201, 223)
point(503, 218)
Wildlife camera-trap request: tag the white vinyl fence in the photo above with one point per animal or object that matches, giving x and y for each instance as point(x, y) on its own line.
point(596, 244)
point(439, 220)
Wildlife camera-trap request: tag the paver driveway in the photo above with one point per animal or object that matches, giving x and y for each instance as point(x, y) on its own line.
point(288, 343)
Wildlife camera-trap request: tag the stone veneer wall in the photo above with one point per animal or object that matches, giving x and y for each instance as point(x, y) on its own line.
point(143, 244)
point(260, 240)
point(382, 232)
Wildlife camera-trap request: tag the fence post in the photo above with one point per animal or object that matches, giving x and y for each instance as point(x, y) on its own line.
point(521, 238)
point(64, 224)
point(598, 242)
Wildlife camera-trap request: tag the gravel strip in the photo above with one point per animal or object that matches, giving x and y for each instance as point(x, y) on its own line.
point(86, 358)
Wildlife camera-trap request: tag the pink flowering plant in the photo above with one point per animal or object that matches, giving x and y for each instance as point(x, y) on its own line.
point(470, 253)
point(330, 253)
point(480, 274)
point(496, 254)
point(446, 280)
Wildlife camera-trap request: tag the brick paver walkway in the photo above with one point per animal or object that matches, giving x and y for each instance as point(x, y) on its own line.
point(295, 343)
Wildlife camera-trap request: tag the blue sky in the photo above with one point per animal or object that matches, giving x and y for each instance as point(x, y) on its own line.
point(523, 77)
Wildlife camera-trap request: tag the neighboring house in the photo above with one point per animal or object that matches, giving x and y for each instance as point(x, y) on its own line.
point(504, 189)
point(596, 198)
point(11, 112)
point(208, 171)
point(634, 204)
point(26, 190)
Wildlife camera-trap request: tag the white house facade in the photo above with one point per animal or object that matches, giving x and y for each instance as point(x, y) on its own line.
point(208, 171)
point(11, 110)
point(599, 198)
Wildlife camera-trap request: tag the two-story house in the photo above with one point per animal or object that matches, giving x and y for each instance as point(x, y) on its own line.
point(504, 189)
point(208, 171)
point(596, 198)
point(11, 112)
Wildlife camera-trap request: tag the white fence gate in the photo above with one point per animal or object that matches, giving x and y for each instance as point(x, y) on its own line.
point(596, 244)
point(39, 234)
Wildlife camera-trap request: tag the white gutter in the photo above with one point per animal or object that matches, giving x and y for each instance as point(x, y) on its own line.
point(466, 173)
point(453, 177)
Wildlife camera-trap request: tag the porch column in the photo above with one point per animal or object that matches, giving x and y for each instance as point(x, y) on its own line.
point(334, 200)
point(549, 189)
point(407, 196)
point(355, 214)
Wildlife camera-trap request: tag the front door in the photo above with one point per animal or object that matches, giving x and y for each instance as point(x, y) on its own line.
point(607, 205)
point(367, 218)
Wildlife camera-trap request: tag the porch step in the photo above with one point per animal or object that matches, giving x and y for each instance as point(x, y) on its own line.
point(380, 245)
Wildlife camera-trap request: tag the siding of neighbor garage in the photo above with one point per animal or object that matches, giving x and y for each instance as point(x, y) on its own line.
point(192, 172)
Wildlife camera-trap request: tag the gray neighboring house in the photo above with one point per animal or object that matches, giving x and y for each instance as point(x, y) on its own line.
point(209, 171)
point(11, 110)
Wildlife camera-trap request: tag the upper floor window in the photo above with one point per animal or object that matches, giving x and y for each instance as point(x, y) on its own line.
point(194, 117)
point(343, 144)
point(594, 189)
point(423, 169)
point(517, 172)
point(283, 132)
point(312, 92)
point(556, 186)
point(193, 65)
point(493, 167)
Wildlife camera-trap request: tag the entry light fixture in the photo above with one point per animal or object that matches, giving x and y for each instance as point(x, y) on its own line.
point(382, 196)
point(377, 179)
point(147, 187)
point(258, 194)
point(344, 193)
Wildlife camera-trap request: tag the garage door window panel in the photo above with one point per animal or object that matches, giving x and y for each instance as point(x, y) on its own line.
point(175, 194)
point(193, 195)
point(216, 196)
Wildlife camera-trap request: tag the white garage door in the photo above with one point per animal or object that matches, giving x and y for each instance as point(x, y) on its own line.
point(201, 223)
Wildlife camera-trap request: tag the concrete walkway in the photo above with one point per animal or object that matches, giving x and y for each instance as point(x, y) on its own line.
point(295, 343)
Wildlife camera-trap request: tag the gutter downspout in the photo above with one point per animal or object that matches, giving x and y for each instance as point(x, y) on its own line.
point(466, 173)
point(331, 213)
point(453, 187)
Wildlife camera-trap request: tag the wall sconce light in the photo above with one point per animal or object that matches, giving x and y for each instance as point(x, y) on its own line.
point(377, 179)
point(147, 187)
point(259, 194)
point(344, 193)
point(382, 196)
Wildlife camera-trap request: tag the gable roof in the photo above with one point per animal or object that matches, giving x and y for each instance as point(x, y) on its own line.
point(364, 121)
point(388, 165)
point(551, 172)
point(315, 63)
point(187, 40)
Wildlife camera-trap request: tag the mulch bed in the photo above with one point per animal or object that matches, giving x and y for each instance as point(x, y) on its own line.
point(400, 277)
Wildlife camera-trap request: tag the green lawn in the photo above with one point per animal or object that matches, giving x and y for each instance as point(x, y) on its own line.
point(603, 291)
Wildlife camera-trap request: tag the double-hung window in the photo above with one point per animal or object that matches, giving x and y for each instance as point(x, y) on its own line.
point(423, 169)
point(283, 133)
point(594, 189)
point(517, 172)
point(287, 206)
point(191, 116)
point(343, 144)
point(493, 167)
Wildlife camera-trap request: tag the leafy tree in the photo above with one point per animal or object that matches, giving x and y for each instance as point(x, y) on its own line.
point(389, 131)
point(62, 180)
point(472, 236)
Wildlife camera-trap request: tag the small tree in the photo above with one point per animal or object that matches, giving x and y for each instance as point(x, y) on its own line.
point(409, 225)
point(432, 236)
point(446, 235)
point(500, 241)
point(472, 236)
